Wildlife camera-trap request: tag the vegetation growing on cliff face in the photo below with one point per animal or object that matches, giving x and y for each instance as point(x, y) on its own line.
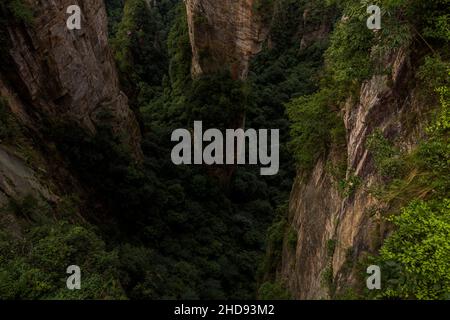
point(33, 263)
point(311, 131)
point(166, 231)
point(419, 249)
point(416, 180)
point(415, 256)
point(139, 44)
point(187, 234)
point(281, 73)
point(211, 230)
point(156, 231)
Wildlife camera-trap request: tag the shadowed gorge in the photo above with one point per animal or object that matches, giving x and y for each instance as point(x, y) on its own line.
point(87, 178)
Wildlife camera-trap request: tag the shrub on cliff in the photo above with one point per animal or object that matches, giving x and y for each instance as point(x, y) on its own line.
point(421, 246)
point(273, 291)
point(33, 264)
point(313, 124)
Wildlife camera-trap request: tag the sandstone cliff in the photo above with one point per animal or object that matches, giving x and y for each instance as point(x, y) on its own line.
point(224, 35)
point(336, 230)
point(54, 74)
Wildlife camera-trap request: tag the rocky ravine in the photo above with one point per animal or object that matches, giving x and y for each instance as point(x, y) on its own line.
point(228, 33)
point(323, 216)
point(58, 74)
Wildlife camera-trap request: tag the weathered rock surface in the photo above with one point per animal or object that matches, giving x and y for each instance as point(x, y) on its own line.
point(69, 74)
point(57, 74)
point(224, 35)
point(17, 179)
point(350, 224)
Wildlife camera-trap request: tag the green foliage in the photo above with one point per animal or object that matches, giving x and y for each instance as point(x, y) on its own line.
point(421, 246)
point(347, 294)
point(292, 238)
point(114, 9)
point(273, 291)
point(403, 22)
point(264, 9)
point(228, 225)
point(415, 256)
point(337, 168)
point(430, 20)
point(140, 45)
point(274, 244)
point(355, 54)
point(279, 74)
point(176, 232)
point(19, 10)
point(421, 173)
point(388, 159)
point(187, 236)
point(434, 73)
point(347, 187)
point(286, 17)
point(275, 237)
point(348, 60)
point(167, 106)
point(433, 155)
point(331, 247)
point(27, 207)
point(441, 126)
point(315, 122)
point(33, 265)
point(327, 279)
point(312, 124)
point(439, 27)
point(180, 52)
point(218, 100)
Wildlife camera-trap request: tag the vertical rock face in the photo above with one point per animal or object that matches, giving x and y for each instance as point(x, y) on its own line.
point(224, 34)
point(56, 74)
point(313, 207)
point(335, 230)
point(69, 74)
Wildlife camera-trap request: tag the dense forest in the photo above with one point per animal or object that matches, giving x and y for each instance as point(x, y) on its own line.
point(170, 232)
point(147, 229)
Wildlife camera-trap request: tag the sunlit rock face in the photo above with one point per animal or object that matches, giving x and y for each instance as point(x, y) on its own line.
point(224, 34)
point(351, 224)
point(53, 74)
point(69, 73)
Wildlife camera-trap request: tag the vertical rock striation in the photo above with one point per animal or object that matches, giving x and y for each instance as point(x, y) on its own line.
point(54, 74)
point(224, 35)
point(335, 230)
point(68, 74)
